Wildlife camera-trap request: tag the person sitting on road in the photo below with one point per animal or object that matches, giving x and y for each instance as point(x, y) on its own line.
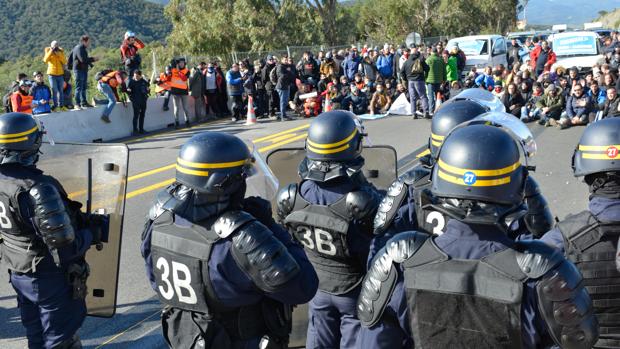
point(550, 106)
point(512, 100)
point(356, 101)
point(530, 111)
point(380, 102)
point(611, 107)
point(579, 109)
point(485, 80)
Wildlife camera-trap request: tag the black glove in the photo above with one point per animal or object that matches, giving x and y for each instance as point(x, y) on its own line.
point(99, 226)
point(260, 209)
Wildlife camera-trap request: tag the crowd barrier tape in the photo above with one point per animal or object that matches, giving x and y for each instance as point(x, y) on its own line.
point(86, 126)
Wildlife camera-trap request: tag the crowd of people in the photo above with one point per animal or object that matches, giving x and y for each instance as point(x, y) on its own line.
point(364, 81)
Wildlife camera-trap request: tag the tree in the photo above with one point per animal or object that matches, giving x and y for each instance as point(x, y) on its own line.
point(326, 10)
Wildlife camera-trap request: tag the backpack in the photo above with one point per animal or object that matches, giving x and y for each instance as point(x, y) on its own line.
point(70, 61)
point(273, 77)
point(416, 67)
point(100, 74)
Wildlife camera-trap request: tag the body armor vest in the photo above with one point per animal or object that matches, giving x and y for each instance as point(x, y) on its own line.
point(591, 245)
point(180, 256)
point(323, 231)
point(464, 303)
point(20, 247)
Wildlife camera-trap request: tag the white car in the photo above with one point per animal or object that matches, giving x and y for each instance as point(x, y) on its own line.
point(481, 50)
point(576, 49)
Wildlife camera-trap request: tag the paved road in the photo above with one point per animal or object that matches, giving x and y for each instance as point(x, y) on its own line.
point(151, 169)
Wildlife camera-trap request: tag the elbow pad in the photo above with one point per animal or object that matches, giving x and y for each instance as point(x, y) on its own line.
point(538, 219)
point(257, 251)
point(51, 216)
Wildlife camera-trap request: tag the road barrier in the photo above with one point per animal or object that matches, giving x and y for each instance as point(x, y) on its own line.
point(85, 126)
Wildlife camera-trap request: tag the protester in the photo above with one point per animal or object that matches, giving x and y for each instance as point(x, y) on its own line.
point(356, 101)
point(81, 63)
point(56, 60)
point(308, 68)
point(380, 102)
point(210, 79)
point(284, 79)
point(385, 63)
point(512, 100)
point(597, 95)
point(514, 53)
point(129, 52)
point(197, 90)
point(163, 86)
point(67, 90)
point(435, 78)
point(249, 86)
point(108, 83)
point(414, 72)
point(579, 109)
point(41, 95)
point(550, 106)
point(260, 98)
point(530, 112)
point(21, 100)
point(235, 90)
point(367, 68)
point(611, 107)
point(138, 94)
point(179, 74)
point(222, 94)
point(486, 80)
point(351, 64)
point(329, 66)
point(451, 60)
point(542, 58)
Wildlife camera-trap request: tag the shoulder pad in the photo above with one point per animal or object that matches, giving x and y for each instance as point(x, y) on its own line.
point(380, 280)
point(567, 308)
point(531, 187)
point(389, 206)
point(361, 204)
point(51, 216)
point(230, 222)
point(414, 175)
point(537, 258)
point(263, 257)
point(285, 200)
point(158, 206)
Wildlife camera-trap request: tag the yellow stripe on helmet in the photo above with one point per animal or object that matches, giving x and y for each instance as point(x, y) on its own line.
point(597, 147)
point(437, 137)
point(483, 173)
point(2, 141)
point(331, 145)
point(436, 143)
point(478, 183)
point(25, 133)
point(213, 165)
point(603, 156)
point(328, 151)
point(192, 172)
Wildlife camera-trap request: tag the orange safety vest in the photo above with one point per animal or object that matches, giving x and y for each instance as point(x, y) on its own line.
point(26, 103)
point(176, 81)
point(164, 84)
point(110, 79)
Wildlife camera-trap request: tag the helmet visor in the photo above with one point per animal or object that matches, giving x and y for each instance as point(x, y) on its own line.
point(483, 97)
point(260, 181)
point(514, 126)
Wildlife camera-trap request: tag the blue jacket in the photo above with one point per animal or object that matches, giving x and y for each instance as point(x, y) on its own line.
point(606, 210)
point(600, 97)
point(41, 92)
point(385, 64)
point(235, 83)
point(573, 109)
point(485, 81)
point(351, 66)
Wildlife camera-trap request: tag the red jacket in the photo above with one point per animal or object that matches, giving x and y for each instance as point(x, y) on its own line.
point(551, 58)
point(129, 51)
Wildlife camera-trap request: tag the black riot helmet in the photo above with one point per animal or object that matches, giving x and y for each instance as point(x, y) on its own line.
point(214, 163)
point(448, 117)
point(598, 150)
point(20, 139)
point(333, 147)
point(480, 163)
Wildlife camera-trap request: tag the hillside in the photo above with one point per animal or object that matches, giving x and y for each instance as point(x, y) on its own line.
point(26, 27)
point(610, 19)
point(571, 12)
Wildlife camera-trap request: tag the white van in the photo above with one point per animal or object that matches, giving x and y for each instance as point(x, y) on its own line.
point(579, 49)
point(482, 50)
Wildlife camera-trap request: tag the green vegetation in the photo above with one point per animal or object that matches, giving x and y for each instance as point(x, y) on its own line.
point(610, 19)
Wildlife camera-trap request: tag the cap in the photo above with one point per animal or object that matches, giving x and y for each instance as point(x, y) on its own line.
point(54, 43)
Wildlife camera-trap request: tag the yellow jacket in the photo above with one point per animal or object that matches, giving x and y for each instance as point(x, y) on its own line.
point(55, 61)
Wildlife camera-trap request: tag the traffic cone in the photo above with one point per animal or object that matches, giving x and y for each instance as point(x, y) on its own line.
point(328, 103)
point(251, 118)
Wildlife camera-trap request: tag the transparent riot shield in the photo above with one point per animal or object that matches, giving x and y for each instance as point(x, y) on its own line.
point(379, 165)
point(96, 176)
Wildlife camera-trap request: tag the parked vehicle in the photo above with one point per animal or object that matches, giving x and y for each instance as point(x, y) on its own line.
point(482, 50)
point(580, 49)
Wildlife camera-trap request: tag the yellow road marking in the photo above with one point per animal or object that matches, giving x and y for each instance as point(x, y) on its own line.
point(262, 139)
point(151, 172)
point(278, 139)
point(275, 145)
point(215, 122)
point(113, 338)
point(424, 153)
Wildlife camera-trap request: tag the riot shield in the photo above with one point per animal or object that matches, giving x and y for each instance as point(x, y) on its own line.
point(96, 176)
point(379, 166)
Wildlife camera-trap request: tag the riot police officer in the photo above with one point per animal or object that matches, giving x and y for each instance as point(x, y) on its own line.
point(589, 238)
point(226, 272)
point(474, 286)
point(330, 212)
point(43, 239)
